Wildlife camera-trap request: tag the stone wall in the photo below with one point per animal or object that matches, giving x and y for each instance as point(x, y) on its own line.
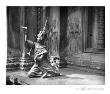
point(73, 53)
point(95, 61)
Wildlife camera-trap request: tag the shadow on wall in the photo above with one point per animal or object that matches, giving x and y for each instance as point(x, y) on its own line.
point(63, 30)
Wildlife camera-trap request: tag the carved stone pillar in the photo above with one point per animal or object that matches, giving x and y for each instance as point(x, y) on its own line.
point(55, 30)
point(22, 35)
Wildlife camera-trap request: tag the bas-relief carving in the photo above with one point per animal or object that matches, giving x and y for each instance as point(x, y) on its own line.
point(74, 24)
point(74, 31)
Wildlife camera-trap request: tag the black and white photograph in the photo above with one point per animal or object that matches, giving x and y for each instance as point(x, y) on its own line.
point(55, 45)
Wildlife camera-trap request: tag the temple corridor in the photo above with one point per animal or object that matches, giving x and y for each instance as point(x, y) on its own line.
point(73, 34)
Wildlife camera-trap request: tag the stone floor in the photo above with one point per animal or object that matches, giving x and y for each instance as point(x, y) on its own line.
point(69, 77)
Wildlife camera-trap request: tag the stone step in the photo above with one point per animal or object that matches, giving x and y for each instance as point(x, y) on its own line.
point(15, 64)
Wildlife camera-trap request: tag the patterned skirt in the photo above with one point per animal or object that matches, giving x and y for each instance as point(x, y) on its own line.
point(42, 68)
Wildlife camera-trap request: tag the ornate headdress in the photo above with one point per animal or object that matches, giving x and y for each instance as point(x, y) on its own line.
point(40, 35)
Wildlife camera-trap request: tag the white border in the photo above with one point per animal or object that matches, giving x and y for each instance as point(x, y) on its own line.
point(63, 89)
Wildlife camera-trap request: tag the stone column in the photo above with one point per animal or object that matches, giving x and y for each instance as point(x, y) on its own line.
point(55, 30)
point(22, 35)
point(30, 14)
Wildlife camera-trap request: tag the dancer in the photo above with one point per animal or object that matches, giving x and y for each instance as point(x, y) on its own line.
point(43, 67)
